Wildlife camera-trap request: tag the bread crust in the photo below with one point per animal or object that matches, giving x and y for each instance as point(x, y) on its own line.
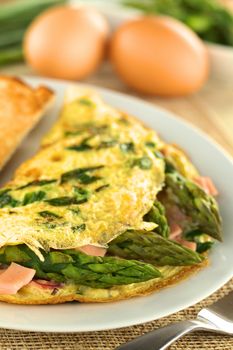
point(21, 107)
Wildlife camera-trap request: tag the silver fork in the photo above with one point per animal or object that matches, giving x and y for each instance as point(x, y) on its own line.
point(216, 318)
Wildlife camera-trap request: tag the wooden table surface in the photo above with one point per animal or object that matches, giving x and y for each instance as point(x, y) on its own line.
point(211, 109)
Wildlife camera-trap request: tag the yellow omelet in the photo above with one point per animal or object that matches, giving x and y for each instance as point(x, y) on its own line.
point(102, 179)
point(95, 172)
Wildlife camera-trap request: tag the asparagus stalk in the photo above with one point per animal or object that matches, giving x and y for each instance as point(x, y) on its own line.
point(157, 215)
point(193, 201)
point(210, 19)
point(11, 54)
point(15, 17)
point(153, 248)
point(72, 265)
point(25, 7)
point(13, 37)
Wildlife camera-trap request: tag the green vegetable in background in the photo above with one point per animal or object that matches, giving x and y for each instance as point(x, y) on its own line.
point(153, 248)
point(72, 265)
point(15, 17)
point(208, 18)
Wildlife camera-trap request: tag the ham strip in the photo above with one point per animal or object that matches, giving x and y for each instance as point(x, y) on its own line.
point(174, 215)
point(175, 230)
point(14, 278)
point(187, 244)
point(92, 250)
point(176, 235)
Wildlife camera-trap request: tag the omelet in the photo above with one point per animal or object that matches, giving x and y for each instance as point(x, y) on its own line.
point(89, 216)
point(93, 161)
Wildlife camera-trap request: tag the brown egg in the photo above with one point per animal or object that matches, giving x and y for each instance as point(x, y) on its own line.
point(66, 42)
point(160, 56)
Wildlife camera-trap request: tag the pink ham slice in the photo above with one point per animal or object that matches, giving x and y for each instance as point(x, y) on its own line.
point(14, 278)
point(92, 250)
point(207, 185)
point(175, 230)
point(187, 244)
point(175, 235)
point(174, 215)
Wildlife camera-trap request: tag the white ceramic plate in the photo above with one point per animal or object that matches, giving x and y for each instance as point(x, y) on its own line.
point(75, 317)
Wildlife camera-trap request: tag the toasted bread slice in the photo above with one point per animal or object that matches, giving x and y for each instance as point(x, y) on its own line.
point(21, 107)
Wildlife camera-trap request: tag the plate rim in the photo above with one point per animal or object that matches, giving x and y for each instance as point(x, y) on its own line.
point(143, 319)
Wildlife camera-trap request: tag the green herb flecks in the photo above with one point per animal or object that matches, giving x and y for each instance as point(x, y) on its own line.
point(63, 201)
point(80, 148)
point(81, 193)
point(37, 183)
point(86, 127)
point(86, 102)
point(169, 167)
point(86, 179)
point(150, 144)
point(84, 146)
point(6, 200)
point(78, 228)
point(81, 175)
point(68, 133)
point(49, 215)
point(144, 163)
point(50, 225)
point(106, 144)
point(32, 197)
point(4, 191)
point(158, 154)
point(127, 147)
point(100, 188)
point(75, 211)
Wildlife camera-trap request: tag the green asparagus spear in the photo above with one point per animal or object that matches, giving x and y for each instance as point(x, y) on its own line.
point(72, 265)
point(210, 19)
point(202, 208)
point(151, 247)
point(157, 215)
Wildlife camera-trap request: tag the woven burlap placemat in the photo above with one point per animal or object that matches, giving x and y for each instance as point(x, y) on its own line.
point(109, 340)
